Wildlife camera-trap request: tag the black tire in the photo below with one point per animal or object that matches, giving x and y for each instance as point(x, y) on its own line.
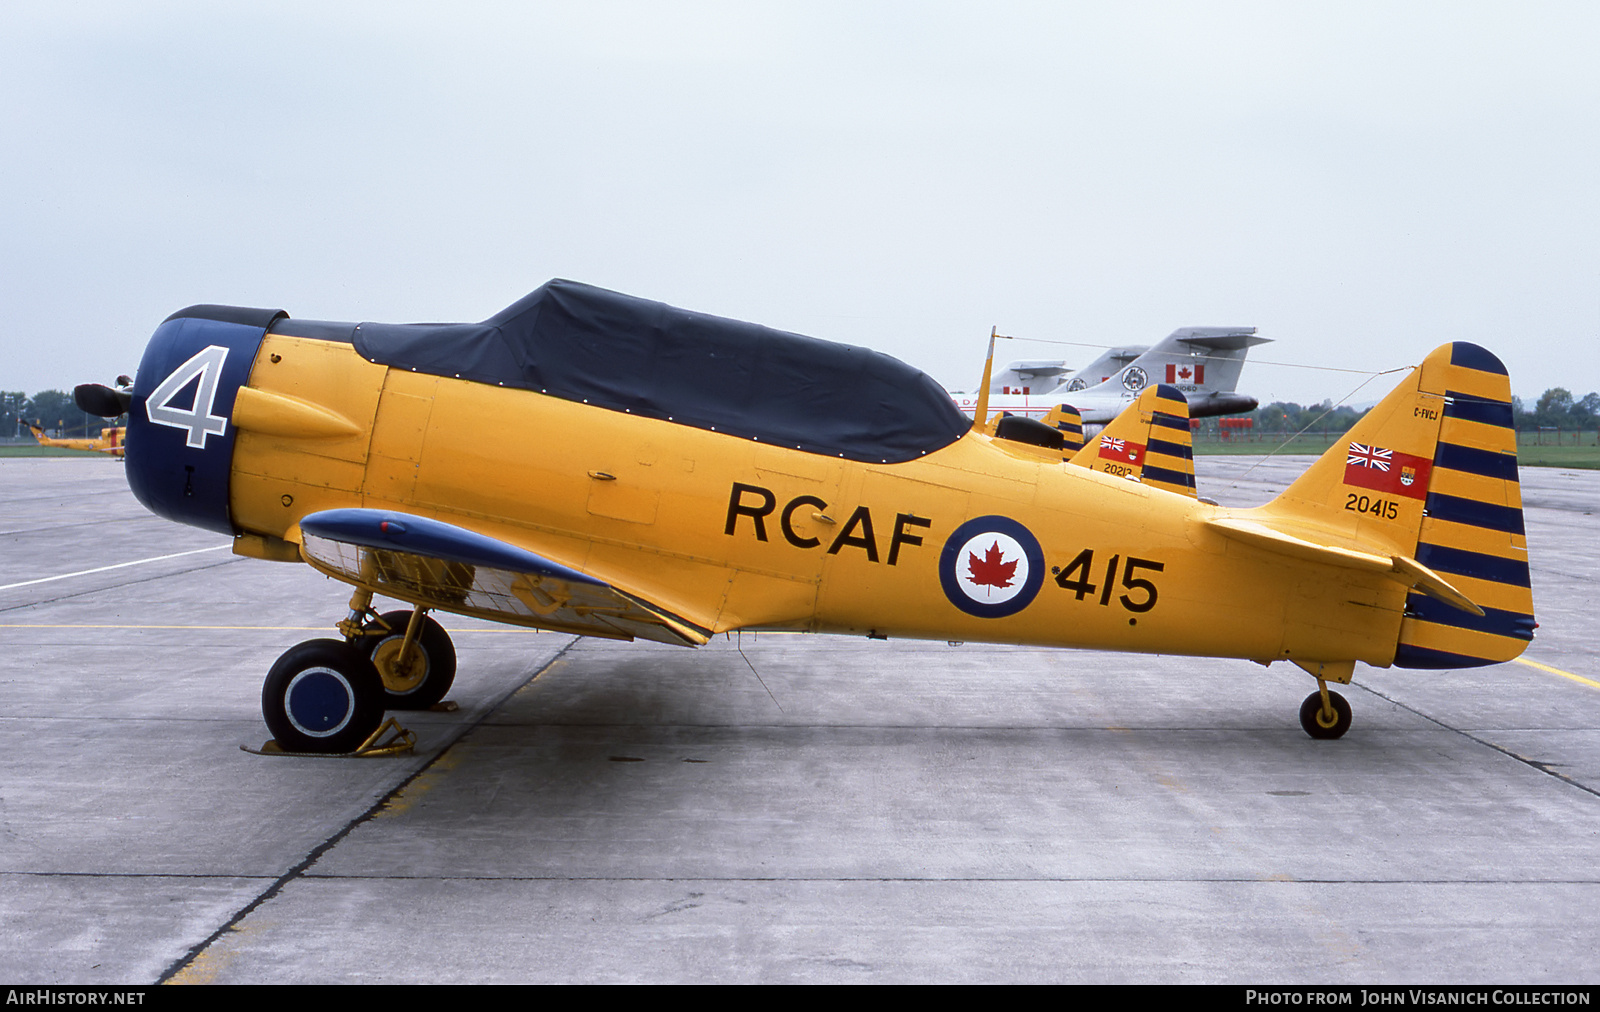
point(419, 689)
point(1311, 716)
point(322, 696)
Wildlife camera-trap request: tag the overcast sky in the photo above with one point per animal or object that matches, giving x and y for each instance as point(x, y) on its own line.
point(1360, 181)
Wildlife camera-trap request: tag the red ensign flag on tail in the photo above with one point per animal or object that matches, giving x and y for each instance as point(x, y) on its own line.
point(1123, 450)
point(1384, 470)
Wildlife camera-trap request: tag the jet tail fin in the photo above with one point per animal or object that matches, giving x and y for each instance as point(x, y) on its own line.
point(1216, 357)
point(1149, 440)
point(1428, 479)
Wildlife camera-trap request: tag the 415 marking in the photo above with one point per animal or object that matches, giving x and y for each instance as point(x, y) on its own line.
point(1082, 586)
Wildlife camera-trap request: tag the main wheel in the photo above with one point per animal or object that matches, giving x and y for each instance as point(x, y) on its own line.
point(1316, 722)
point(429, 669)
point(322, 696)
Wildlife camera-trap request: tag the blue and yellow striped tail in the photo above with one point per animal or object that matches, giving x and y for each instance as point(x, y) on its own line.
point(1149, 441)
point(1066, 419)
point(1472, 532)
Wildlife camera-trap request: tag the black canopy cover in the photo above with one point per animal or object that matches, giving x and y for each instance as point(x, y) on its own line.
point(583, 343)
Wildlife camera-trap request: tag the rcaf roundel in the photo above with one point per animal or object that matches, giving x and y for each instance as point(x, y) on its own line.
point(991, 567)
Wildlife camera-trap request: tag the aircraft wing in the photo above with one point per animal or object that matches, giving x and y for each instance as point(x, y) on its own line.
point(440, 565)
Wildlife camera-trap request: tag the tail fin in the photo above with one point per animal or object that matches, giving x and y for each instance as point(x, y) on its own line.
point(1066, 418)
point(1431, 474)
point(1198, 360)
point(1149, 441)
point(1022, 376)
point(1110, 362)
point(1216, 357)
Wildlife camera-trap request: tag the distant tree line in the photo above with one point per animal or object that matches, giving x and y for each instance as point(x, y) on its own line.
point(1555, 408)
point(1288, 417)
point(54, 411)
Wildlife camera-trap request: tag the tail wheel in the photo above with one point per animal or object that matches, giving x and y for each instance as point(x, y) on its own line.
point(424, 675)
point(1316, 721)
point(322, 696)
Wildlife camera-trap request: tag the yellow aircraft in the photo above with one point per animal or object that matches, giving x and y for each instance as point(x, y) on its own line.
point(692, 475)
point(1149, 441)
point(109, 441)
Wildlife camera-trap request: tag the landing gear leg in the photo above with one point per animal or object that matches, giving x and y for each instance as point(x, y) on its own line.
point(355, 624)
point(414, 657)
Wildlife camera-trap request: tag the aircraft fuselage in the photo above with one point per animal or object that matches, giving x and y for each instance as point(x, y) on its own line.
point(982, 540)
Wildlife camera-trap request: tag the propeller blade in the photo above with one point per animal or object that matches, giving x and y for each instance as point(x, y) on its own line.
point(99, 399)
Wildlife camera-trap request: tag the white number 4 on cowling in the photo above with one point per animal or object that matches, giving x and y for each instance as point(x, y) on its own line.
point(198, 421)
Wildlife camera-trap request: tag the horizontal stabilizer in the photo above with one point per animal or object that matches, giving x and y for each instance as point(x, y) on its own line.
point(1400, 568)
point(440, 565)
point(1222, 338)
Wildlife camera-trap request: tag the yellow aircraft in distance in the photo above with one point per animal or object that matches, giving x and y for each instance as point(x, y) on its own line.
point(1149, 441)
point(109, 441)
point(692, 475)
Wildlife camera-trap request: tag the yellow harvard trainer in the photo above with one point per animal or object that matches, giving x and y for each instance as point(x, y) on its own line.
point(693, 475)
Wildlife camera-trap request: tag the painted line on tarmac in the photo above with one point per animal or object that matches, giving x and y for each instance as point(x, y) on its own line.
point(232, 628)
point(1543, 767)
point(120, 565)
point(1557, 671)
point(239, 628)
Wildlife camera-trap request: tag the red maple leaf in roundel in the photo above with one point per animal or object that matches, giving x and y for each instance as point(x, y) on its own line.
point(992, 570)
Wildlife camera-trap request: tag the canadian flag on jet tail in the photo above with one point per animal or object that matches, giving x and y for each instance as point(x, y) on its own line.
point(1385, 470)
point(1187, 373)
point(1121, 449)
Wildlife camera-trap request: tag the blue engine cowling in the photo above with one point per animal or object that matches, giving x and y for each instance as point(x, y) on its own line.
point(180, 430)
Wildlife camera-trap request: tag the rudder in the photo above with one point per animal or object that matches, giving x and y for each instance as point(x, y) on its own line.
point(1066, 419)
point(1472, 530)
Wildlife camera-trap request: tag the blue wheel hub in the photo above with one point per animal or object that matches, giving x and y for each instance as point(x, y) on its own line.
point(319, 702)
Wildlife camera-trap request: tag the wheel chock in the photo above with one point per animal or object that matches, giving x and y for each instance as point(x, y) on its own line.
point(399, 741)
